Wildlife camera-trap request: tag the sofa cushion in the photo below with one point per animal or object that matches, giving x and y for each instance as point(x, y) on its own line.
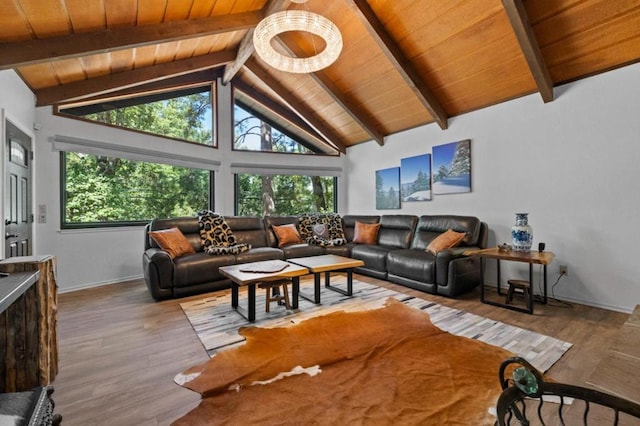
point(302, 250)
point(287, 235)
point(397, 230)
point(172, 241)
point(259, 254)
point(430, 227)
point(365, 233)
point(415, 264)
point(248, 229)
point(446, 240)
point(373, 256)
point(199, 268)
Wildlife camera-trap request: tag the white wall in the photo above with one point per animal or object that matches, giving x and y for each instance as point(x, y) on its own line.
point(572, 164)
point(91, 257)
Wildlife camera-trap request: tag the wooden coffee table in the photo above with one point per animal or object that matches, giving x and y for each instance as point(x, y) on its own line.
point(250, 279)
point(327, 263)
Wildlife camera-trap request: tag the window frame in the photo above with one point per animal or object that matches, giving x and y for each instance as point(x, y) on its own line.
point(114, 224)
point(58, 110)
point(274, 125)
point(236, 188)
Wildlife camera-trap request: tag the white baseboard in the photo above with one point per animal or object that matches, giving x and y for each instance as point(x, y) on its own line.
point(98, 284)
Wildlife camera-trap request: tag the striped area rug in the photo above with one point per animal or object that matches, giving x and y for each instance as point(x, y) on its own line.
point(216, 324)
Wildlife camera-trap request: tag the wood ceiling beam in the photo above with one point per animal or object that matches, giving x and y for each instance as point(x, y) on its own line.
point(356, 113)
point(246, 48)
point(188, 80)
point(297, 106)
point(110, 83)
point(403, 66)
point(526, 38)
point(13, 55)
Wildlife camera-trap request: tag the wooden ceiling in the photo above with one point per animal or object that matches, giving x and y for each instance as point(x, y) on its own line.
point(405, 63)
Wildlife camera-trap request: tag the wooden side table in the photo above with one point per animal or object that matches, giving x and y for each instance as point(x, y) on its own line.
point(530, 257)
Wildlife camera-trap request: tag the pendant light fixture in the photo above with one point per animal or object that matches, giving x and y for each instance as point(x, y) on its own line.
point(297, 20)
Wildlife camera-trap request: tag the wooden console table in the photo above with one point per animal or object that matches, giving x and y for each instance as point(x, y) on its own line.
point(28, 323)
point(530, 257)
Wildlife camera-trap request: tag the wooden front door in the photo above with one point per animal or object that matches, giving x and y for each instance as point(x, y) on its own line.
point(18, 219)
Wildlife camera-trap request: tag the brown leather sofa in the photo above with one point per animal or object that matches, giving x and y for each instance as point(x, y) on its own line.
point(399, 255)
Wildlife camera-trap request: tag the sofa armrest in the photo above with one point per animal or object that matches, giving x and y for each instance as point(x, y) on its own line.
point(444, 257)
point(158, 272)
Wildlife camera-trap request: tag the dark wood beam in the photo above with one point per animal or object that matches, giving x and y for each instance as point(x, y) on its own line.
point(530, 48)
point(112, 82)
point(356, 113)
point(198, 78)
point(246, 48)
point(284, 113)
point(398, 59)
point(297, 106)
point(13, 55)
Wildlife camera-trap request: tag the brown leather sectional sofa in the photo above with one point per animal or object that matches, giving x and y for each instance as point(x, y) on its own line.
point(399, 256)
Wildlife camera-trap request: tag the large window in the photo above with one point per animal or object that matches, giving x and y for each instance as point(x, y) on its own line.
point(111, 191)
point(185, 114)
point(258, 195)
point(255, 133)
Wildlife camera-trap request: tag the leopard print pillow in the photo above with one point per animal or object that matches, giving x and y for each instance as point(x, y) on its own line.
point(214, 230)
point(334, 223)
point(216, 235)
point(237, 249)
point(321, 229)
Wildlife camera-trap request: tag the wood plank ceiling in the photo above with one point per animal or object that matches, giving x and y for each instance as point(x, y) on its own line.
point(405, 63)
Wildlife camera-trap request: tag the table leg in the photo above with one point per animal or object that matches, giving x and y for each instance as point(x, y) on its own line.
point(295, 290)
point(252, 303)
point(234, 294)
point(499, 284)
point(349, 290)
point(250, 312)
point(531, 296)
point(316, 290)
point(544, 271)
point(482, 280)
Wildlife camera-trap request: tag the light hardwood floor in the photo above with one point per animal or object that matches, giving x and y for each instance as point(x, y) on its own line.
point(119, 350)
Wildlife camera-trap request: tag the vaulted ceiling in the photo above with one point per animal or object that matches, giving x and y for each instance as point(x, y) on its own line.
point(405, 63)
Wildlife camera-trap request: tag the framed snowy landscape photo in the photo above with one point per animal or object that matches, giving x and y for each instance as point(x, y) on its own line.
point(452, 167)
point(415, 178)
point(388, 188)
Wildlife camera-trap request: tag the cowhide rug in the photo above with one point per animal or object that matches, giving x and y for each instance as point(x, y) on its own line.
point(385, 366)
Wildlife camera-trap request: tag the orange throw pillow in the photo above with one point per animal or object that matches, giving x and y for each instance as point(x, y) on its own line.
point(287, 234)
point(366, 233)
point(445, 240)
point(172, 241)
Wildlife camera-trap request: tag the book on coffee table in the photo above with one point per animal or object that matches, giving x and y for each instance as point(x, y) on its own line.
point(267, 267)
